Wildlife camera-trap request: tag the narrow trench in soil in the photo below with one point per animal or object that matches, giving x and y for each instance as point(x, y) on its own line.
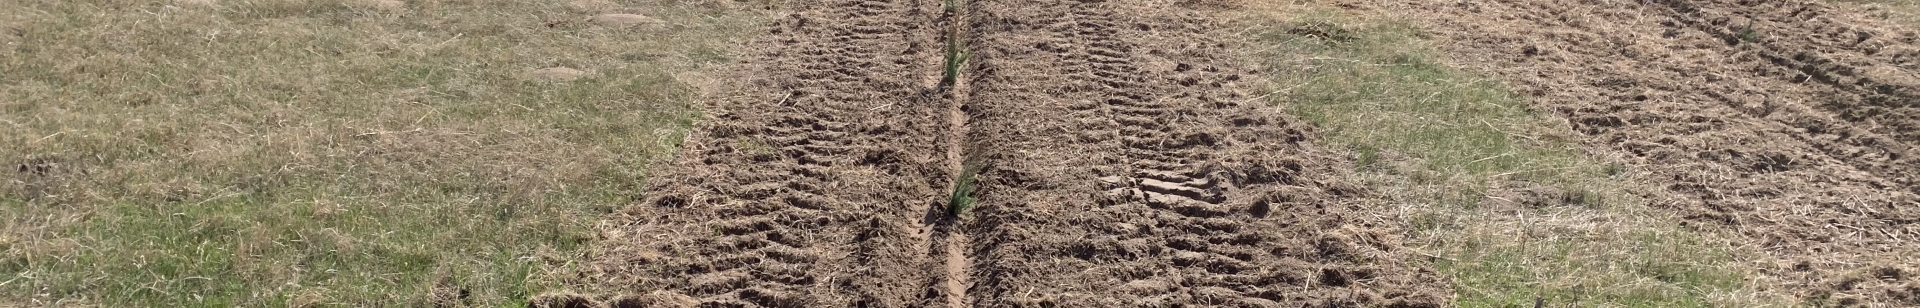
point(955, 250)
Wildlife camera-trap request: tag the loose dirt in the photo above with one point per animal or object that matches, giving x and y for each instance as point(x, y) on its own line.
point(1790, 125)
point(1124, 170)
point(1121, 167)
point(812, 182)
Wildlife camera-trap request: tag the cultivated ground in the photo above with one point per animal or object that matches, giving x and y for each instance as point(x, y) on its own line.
point(1116, 165)
point(913, 153)
point(1788, 127)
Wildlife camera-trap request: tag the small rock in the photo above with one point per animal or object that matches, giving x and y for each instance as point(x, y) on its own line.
point(623, 20)
point(556, 74)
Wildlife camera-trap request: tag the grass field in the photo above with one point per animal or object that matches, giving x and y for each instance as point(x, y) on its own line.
point(415, 153)
point(330, 153)
point(1503, 200)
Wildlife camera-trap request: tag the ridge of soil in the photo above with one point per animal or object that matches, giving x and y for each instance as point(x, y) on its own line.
point(1122, 168)
point(1790, 125)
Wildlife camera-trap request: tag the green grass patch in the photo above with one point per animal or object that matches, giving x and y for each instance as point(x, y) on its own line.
point(961, 200)
point(1443, 146)
point(264, 153)
point(956, 57)
point(956, 52)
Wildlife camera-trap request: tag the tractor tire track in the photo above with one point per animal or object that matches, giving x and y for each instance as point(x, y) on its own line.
point(1790, 124)
point(1123, 170)
point(808, 185)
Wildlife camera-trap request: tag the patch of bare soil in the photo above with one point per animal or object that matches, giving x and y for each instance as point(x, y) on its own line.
point(1124, 170)
point(810, 184)
point(1790, 124)
point(1121, 168)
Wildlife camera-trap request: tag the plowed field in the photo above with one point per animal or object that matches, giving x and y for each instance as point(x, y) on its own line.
point(1790, 125)
point(1120, 161)
point(1118, 165)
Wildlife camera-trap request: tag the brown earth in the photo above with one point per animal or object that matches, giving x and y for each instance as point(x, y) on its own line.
point(1124, 170)
point(812, 182)
point(1121, 166)
point(1790, 125)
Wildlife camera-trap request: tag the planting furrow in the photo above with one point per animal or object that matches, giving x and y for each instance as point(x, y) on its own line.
point(808, 184)
point(1122, 169)
point(948, 243)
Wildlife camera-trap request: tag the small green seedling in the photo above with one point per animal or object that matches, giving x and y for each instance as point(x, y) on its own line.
point(956, 48)
point(961, 201)
point(1747, 34)
point(955, 58)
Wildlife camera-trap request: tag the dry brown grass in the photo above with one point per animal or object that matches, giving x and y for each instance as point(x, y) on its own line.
point(315, 153)
point(1456, 156)
point(1906, 12)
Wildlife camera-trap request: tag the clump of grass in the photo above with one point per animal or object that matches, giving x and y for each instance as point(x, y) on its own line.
point(960, 201)
point(1584, 197)
point(1747, 34)
point(1376, 89)
point(308, 153)
point(1367, 156)
point(956, 53)
point(956, 57)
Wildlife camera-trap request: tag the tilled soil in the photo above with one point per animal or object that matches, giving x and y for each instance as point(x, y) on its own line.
point(1789, 125)
point(1125, 171)
point(811, 182)
point(1119, 166)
